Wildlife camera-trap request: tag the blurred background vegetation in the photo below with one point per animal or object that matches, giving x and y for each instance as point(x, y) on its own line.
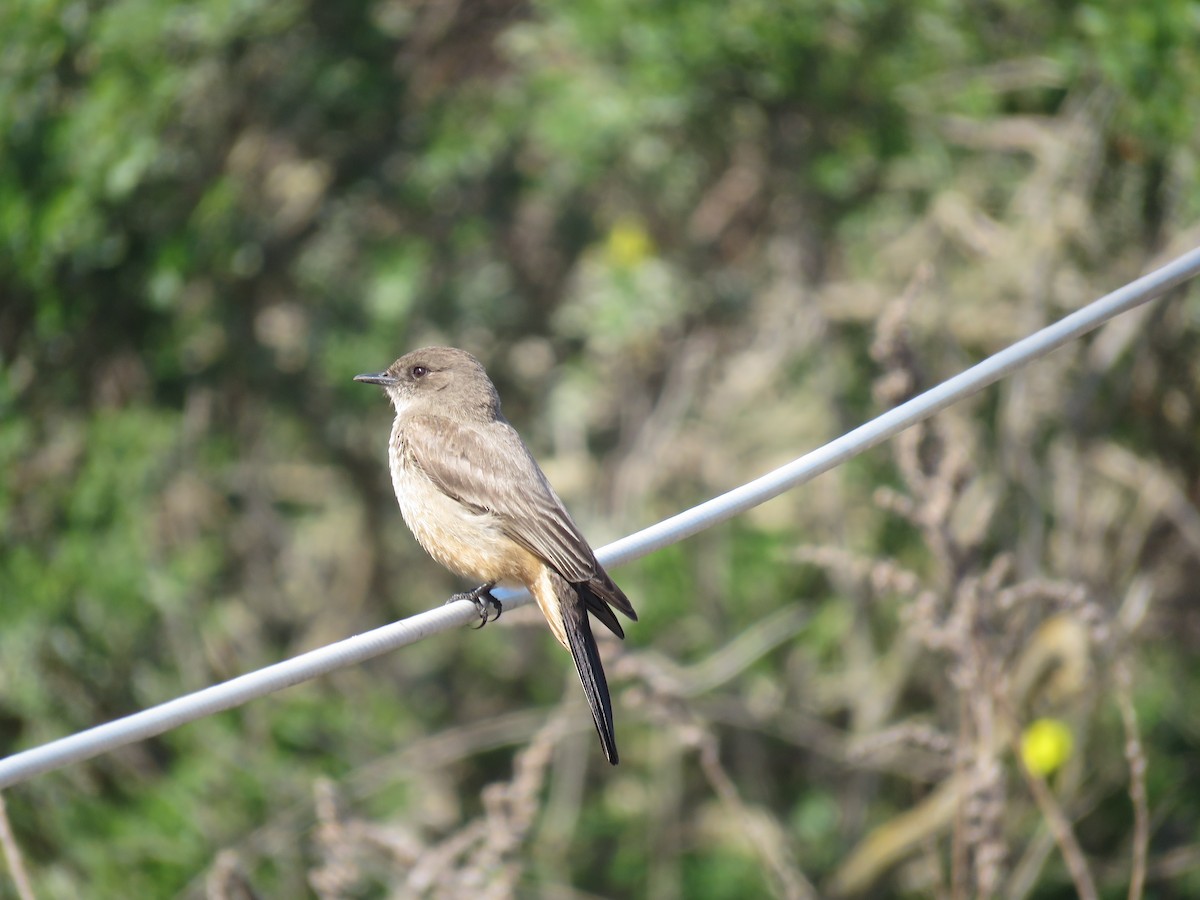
point(690, 241)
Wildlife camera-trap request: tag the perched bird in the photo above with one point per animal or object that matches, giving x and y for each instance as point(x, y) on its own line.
point(479, 504)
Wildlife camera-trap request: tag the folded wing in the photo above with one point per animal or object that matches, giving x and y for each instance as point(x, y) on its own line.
point(487, 468)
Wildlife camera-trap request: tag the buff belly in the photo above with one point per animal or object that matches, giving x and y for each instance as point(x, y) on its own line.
point(465, 542)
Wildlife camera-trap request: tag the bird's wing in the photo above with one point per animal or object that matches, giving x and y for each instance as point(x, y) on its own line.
point(488, 468)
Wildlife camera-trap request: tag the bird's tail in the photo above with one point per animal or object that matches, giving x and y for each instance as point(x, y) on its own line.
point(582, 644)
point(566, 610)
point(591, 675)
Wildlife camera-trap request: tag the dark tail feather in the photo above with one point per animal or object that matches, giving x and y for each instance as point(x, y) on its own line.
point(591, 674)
point(599, 608)
point(606, 589)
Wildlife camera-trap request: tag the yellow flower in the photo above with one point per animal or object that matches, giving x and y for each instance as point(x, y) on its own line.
point(628, 244)
point(1045, 745)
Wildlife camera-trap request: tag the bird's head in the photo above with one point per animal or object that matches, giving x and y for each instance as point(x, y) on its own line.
point(437, 379)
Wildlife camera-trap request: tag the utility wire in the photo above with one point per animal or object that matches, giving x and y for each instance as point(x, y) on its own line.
point(147, 723)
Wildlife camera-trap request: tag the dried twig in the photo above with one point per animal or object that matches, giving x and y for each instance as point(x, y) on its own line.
point(12, 855)
point(1136, 756)
point(1056, 819)
point(764, 832)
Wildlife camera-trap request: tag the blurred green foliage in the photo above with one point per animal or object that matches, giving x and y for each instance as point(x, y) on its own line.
point(672, 231)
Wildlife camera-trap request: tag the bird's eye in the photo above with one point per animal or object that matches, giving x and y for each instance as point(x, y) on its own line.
point(418, 371)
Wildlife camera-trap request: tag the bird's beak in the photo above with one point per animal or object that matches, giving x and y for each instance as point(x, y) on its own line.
point(382, 378)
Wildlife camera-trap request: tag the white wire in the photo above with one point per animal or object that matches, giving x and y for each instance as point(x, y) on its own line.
point(157, 719)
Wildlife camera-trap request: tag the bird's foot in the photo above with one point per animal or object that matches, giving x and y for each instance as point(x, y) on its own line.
point(484, 602)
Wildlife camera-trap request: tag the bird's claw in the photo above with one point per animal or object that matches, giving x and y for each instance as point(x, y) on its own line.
point(484, 603)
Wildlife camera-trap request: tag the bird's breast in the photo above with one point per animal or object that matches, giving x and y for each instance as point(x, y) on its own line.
point(468, 543)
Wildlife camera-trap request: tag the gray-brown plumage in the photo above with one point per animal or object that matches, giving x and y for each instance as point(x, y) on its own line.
point(479, 504)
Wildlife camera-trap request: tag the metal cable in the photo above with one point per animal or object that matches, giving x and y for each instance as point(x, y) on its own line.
point(157, 719)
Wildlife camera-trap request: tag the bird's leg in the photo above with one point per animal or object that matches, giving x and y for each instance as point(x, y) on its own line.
point(483, 600)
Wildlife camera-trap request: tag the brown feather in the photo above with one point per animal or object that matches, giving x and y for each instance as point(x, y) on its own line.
point(486, 467)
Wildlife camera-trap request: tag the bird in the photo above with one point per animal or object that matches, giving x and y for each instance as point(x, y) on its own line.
point(477, 502)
